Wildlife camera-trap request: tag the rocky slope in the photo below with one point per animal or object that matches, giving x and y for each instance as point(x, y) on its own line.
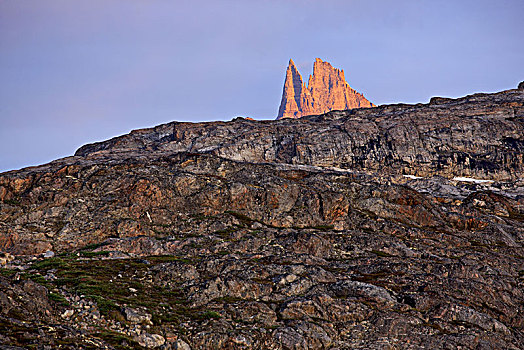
point(288, 234)
point(327, 90)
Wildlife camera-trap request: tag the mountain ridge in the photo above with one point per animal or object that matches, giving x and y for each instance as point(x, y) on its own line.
point(445, 136)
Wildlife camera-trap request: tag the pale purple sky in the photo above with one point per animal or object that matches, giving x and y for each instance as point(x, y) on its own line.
point(74, 72)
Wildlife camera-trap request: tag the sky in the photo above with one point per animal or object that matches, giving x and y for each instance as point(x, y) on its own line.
point(75, 72)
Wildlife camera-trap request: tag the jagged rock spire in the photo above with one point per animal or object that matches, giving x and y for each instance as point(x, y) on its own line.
point(327, 90)
point(293, 87)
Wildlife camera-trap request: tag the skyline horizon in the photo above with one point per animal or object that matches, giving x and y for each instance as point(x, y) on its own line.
point(272, 118)
point(257, 118)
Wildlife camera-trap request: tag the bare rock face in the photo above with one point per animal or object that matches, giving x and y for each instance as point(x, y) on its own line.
point(327, 90)
point(358, 229)
point(479, 135)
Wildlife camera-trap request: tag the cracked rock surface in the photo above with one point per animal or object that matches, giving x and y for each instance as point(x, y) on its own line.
point(289, 234)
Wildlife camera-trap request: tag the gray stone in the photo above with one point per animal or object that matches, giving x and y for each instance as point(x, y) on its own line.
point(150, 341)
point(182, 345)
point(137, 315)
point(361, 289)
point(68, 313)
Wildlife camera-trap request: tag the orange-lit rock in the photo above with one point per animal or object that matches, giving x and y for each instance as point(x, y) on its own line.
point(327, 90)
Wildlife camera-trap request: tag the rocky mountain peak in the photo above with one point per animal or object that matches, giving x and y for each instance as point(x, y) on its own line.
point(327, 90)
point(293, 88)
point(324, 72)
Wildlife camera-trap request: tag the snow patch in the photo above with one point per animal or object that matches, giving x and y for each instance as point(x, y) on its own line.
point(340, 169)
point(412, 177)
point(469, 179)
point(207, 149)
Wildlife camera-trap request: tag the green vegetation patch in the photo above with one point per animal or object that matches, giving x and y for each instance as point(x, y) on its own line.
point(244, 219)
point(208, 315)
point(94, 254)
point(93, 246)
point(113, 284)
point(118, 340)
point(7, 272)
point(13, 202)
point(58, 298)
point(51, 263)
point(381, 253)
point(36, 278)
point(226, 233)
point(324, 227)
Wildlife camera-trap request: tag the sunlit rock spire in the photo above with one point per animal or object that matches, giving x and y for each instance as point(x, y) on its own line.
point(327, 90)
